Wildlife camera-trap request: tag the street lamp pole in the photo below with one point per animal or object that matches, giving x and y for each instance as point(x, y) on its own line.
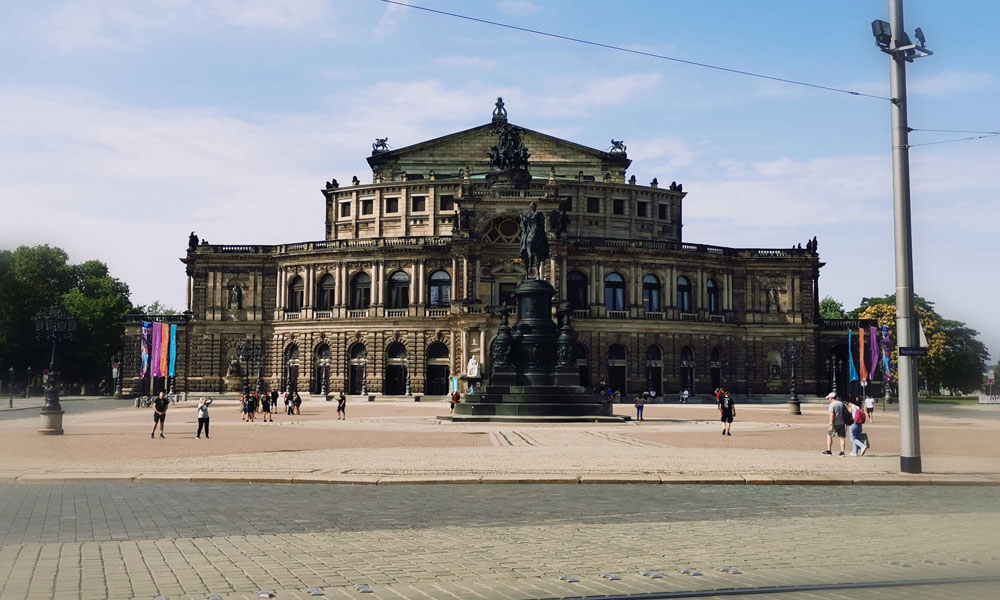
point(794, 406)
point(55, 324)
point(892, 39)
point(27, 383)
point(10, 403)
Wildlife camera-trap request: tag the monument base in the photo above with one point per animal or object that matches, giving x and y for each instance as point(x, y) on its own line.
point(544, 403)
point(51, 422)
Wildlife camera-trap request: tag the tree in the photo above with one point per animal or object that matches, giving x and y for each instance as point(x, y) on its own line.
point(829, 308)
point(955, 358)
point(34, 278)
point(156, 308)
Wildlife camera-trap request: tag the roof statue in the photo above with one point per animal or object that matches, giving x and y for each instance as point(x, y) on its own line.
point(499, 113)
point(617, 146)
point(380, 145)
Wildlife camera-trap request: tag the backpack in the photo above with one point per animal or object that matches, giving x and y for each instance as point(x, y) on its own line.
point(845, 415)
point(859, 417)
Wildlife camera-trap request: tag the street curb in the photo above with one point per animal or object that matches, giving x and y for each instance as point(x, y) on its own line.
point(549, 479)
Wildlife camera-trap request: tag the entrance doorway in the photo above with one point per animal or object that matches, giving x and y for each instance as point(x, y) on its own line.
point(617, 369)
point(436, 382)
point(396, 374)
point(358, 362)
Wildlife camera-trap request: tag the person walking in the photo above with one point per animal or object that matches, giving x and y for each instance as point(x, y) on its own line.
point(244, 402)
point(251, 408)
point(342, 406)
point(274, 400)
point(640, 403)
point(727, 410)
point(203, 404)
point(160, 405)
point(859, 447)
point(869, 407)
point(297, 402)
point(838, 417)
point(684, 396)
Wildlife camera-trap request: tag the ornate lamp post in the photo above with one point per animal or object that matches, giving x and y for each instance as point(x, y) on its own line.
point(324, 382)
point(27, 383)
point(793, 353)
point(833, 365)
point(10, 403)
point(259, 356)
point(55, 324)
point(116, 376)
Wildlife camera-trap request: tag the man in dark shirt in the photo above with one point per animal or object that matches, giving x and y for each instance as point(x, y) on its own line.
point(727, 410)
point(159, 413)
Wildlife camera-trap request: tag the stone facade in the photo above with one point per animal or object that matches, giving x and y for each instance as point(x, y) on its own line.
point(396, 298)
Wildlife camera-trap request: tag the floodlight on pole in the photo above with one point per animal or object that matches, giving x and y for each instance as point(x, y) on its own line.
point(901, 51)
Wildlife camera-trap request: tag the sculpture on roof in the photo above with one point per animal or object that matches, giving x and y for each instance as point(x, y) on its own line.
point(380, 145)
point(499, 113)
point(509, 153)
point(617, 146)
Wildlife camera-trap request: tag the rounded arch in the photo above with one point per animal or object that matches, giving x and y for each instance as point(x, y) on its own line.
point(397, 376)
point(684, 304)
point(654, 369)
point(357, 364)
point(439, 289)
point(361, 291)
point(653, 352)
point(398, 290)
point(614, 292)
point(651, 293)
point(712, 296)
point(687, 367)
point(576, 290)
point(325, 288)
point(291, 366)
point(438, 369)
point(321, 369)
point(295, 294)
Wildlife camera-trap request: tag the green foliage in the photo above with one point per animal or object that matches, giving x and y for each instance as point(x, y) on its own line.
point(829, 308)
point(156, 308)
point(955, 357)
point(35, 278)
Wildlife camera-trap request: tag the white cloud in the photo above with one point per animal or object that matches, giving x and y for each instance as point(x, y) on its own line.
point(390, 21)
point(518, 7)
point(950, 82)
point(118, 24)
point(469, 63)
point(577, 94)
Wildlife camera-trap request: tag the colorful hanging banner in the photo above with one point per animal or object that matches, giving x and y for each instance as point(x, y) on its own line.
point(852, 372)
point(173, 351)
point(154, 360)
point(863, 370)
point(144, 349)
point(164, 349)
point(886, 355)
point(873, 340)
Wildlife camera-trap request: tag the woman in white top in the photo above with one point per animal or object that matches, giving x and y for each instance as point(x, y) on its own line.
point(203, 404)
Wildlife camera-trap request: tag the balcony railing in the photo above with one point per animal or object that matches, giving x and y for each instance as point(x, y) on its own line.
point(396, 313)
point(291, 315)
point(719, 318)
point(617, 314)
point(361, 313)
point(323, 314)
point(580, 313)
point(689, 316)
point(655, 316)
point(438, 312)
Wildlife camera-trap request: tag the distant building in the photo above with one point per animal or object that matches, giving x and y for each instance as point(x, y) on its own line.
point(396, 297)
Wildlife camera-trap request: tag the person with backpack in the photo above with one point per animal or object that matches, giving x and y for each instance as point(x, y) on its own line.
point(837, 427)
point(727, 410)
point(858, 421)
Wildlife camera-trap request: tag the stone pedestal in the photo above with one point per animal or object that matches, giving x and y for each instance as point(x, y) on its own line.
point(525, 383)
point(51, 422)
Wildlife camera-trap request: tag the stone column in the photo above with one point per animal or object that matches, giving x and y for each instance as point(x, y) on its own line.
point(477, 278)
point(421, 282)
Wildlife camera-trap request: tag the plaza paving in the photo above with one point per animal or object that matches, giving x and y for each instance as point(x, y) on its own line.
point(106, 512)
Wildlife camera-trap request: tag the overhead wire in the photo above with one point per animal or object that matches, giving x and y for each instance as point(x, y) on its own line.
point(633, 51)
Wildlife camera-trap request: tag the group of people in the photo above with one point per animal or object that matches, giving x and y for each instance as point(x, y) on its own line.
point(848, 418)
point(250, 405)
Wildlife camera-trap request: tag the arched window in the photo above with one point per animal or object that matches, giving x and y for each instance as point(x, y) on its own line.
point(324, 293)
point(653, 353)
point(439, 290)
point(654, 369)
point(614, 292)
point(295, 287)
point(291, 368)
point(683, 294)
point(399, 290)
point(712, 296)
point(576, 290)
point(651, 293)
point(321, 370)
point(361, 291)
point(687, 368)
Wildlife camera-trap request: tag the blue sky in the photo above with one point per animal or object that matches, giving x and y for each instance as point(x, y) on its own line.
point(124, 125)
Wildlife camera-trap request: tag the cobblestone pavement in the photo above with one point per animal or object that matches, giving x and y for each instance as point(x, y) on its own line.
point(142, 540)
